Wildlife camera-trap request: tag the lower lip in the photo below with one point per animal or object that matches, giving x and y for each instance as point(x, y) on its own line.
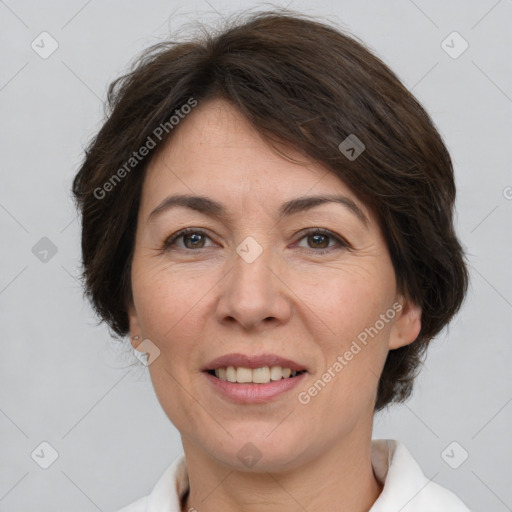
point(254, 393)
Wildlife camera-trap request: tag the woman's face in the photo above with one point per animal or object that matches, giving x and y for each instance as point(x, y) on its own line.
point(251, 281)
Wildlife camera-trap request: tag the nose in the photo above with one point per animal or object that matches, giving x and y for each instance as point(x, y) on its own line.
point(254, 292)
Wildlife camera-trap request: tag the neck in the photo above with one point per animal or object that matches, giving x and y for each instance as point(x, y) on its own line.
point(340, 478)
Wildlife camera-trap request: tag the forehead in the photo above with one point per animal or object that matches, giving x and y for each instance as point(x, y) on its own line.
point(216, 152)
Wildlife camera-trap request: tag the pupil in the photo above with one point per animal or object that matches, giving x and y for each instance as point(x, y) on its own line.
point(316, 237)
point(195, 238)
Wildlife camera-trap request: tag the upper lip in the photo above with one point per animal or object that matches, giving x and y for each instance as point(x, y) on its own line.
point(256, 361)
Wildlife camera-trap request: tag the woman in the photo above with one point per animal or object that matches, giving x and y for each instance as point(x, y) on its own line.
point(267, 212)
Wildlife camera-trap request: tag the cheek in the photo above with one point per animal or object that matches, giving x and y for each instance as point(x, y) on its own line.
point(351, 335)
point(347, 302)
point(168, 299)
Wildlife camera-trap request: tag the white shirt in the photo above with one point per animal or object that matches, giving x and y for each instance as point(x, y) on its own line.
point(406, 488)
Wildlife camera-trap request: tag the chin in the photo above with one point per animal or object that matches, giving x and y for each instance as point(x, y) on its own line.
point(259, 451)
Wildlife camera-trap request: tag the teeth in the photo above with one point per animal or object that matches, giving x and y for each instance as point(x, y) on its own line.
point(258, 376)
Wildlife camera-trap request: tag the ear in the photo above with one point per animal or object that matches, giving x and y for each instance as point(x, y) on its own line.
point(134, 325)
point(407, 323)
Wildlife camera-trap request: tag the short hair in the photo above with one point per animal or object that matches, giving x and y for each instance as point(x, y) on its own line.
point(299, 81)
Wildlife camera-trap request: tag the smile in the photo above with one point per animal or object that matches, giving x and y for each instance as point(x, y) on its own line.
point(263, 375)
point(249, 391)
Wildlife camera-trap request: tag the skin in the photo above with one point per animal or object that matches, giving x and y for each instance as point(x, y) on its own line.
point(199, 299)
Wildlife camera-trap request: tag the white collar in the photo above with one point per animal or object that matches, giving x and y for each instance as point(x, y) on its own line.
point(406, 488)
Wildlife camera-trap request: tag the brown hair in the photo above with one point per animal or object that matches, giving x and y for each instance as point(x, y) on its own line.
point(302, 82)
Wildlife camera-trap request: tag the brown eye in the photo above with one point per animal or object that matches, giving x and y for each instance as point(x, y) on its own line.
point(192, 239)
point(318, 241)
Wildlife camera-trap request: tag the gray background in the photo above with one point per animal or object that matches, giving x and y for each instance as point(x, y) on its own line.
point(66, 382)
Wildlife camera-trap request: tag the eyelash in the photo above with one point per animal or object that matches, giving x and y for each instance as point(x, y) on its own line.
point(313, 231)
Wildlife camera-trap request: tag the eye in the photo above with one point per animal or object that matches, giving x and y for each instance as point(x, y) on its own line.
point(196, 239)
point(319, 238)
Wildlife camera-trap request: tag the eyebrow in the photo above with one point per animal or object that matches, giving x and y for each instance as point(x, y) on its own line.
point(213, 208)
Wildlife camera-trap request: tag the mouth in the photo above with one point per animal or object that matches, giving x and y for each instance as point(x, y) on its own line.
point(242, 385)
point(257, 376)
